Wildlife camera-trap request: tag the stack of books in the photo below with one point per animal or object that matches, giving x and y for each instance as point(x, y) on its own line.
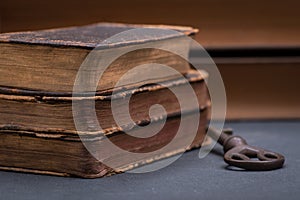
point(37, 129)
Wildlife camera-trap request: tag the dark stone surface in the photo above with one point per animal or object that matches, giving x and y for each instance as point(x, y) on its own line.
point(187, 178)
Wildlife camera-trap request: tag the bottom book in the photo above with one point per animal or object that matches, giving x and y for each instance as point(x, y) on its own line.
point(77, 156)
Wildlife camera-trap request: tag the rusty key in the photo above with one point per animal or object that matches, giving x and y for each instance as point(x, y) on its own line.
point(239, 154)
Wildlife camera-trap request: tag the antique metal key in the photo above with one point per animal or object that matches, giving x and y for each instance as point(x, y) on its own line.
point(239, 154)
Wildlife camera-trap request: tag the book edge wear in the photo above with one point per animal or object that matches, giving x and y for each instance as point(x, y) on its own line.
point(45, 37)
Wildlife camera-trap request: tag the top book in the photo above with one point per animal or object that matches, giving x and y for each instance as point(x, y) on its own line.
point(47, 61)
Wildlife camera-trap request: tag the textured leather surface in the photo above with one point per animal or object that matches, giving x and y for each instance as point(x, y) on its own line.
point(88, 36)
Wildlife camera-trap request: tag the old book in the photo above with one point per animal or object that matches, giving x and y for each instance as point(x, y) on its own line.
point(37, 128)
point(19, 109)
point(49, 60)
point(38, 134)
point(61, 154)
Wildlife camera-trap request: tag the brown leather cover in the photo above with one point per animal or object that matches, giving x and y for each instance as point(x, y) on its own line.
point(49, 60)
point(87, 36)
point(38, 153)
point(34, 139)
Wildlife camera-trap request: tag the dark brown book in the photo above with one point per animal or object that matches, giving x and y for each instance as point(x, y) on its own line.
point(35, 111)
point(58, 154)
point(37, 129)
point(38, 134)
point(49, 60)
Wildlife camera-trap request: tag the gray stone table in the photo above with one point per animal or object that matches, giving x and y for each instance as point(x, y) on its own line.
point(187, 178)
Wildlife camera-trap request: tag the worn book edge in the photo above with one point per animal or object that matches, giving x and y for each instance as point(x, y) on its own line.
point(9, 37)
point(207, 141)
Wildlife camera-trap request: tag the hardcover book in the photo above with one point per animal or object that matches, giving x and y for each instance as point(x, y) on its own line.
point(49, 60)
point(37, 129)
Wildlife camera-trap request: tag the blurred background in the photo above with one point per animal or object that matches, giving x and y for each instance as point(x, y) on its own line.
point(222, 22)
point(255, 43)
